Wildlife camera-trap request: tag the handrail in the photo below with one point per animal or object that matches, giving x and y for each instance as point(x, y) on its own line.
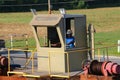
point(31, 58)
point(49, 58)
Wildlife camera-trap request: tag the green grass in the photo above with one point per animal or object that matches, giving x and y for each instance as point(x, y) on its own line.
point(107, 38)
point(105, 20)
point(99, 17)
point(15, 18)
point(21, 43)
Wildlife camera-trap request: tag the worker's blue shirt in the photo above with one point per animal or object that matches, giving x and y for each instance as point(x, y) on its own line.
point(70, 42)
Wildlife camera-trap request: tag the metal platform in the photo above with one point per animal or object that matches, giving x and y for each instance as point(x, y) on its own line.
point(38, 74)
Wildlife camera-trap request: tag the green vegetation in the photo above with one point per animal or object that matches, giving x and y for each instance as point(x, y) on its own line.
point(25, 5)
point(107, 38)
point(105, 20)
point(15, 18)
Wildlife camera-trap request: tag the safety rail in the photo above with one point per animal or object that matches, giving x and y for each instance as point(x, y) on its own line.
point(13, 41)
point(27, 62)
point(106, 52)
point(68, 74)
point(98, 56)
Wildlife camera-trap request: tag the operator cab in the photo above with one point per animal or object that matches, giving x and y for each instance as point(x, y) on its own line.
point(53, 56)
point(58, 30)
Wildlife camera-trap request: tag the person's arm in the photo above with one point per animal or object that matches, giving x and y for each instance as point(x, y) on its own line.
point(71, 42)
point(58, 44)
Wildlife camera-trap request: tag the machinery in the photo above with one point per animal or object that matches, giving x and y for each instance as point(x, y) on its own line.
point(106, 68)
point(59, 59)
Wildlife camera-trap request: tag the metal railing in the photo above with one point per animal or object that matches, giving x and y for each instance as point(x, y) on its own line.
point(31, 58)
point(102, 53)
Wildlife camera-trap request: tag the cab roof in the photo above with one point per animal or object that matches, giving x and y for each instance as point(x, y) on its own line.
point(46, 20)
point(50, 19)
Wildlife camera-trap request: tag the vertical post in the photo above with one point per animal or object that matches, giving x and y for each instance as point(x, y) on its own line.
point(64, 27)
point(63, 12)
point(49, 7)
point(91, 41)
point(98, 54)
point(104, 55)
point(26, 48)
point(8, 59)
point(49, 67)
point(32, 61)
point(26, 40)
point(118, 46)
point(68, 64)
point(107, 54)
point(11, 41)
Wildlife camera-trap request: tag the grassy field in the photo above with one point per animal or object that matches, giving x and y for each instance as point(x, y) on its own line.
point(105, 20)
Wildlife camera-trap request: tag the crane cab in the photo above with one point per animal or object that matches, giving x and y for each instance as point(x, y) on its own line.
point(59, 59)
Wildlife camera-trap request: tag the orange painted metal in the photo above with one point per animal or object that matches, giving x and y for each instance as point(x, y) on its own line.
point(94, 77)
point(12, 78)
point(3, 61)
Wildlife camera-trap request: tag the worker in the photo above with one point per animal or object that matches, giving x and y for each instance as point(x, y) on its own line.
point(70, 39)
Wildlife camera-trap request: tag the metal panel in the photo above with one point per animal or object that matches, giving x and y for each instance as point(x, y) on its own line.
point(80, 32)
point(76, 58)
point(51, 59)
point(45, 20)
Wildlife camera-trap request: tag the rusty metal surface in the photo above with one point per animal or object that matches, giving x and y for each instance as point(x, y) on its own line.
point(94, 77)
point(81, 77)
point(12, 78)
